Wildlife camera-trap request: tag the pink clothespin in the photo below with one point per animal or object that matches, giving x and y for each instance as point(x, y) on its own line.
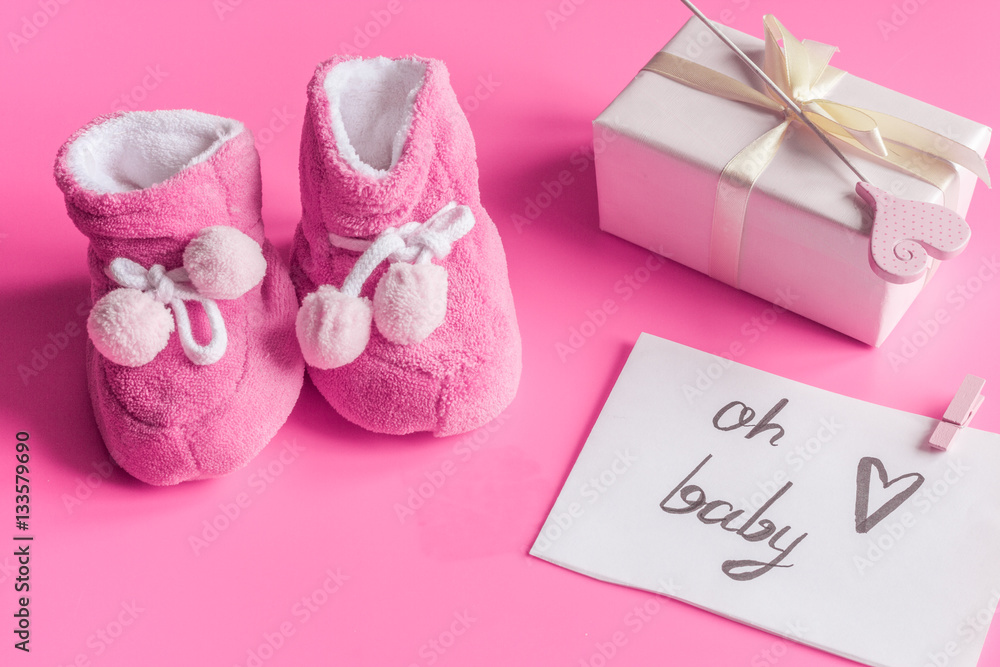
point(960, 412)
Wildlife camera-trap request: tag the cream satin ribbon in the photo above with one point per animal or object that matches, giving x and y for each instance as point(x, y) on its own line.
point(803, 72)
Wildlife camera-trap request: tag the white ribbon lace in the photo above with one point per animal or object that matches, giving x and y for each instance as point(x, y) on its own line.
point(413, 242)
point(173, 288)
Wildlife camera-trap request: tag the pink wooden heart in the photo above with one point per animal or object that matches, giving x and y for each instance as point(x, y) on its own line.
point(906, 234)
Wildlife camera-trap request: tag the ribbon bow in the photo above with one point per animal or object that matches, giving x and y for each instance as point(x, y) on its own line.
point(413, 242)
point(172, 288)
point(130, 326)
point(410, 301)
point(803, 72)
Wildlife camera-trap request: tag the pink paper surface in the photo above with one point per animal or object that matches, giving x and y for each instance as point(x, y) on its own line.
point(318, 566)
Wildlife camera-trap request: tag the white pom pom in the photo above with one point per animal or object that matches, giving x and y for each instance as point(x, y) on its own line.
point(333, 329)
point(129, 327)
point(224, 263)
point(411, 301)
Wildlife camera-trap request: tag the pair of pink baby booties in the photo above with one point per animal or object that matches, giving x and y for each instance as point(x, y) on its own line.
point(197, 335)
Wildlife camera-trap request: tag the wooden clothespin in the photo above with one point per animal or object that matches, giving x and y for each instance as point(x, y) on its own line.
point(960, 412)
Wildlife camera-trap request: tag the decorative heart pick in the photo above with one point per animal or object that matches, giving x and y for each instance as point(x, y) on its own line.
point(906, 234)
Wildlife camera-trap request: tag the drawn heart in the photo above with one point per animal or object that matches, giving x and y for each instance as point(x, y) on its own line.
point(906, 234)
point(863, 521)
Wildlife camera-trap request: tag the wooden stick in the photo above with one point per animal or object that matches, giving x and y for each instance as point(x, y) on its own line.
point(773, 86)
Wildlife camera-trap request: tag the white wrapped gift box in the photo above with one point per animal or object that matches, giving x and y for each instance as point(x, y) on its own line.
point(661, 146)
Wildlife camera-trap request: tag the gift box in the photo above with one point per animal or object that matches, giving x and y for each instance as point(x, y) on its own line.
point(745, 192)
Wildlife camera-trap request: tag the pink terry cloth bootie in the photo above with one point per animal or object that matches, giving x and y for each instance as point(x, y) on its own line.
point(192, 361)
point(407, 320)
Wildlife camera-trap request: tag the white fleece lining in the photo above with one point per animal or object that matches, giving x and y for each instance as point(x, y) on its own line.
point(371, 106)
point(142, 148)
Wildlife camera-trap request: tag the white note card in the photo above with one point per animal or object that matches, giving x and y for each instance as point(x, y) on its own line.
point(815, 516)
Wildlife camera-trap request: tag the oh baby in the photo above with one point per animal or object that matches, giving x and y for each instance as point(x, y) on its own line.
point(689, 498)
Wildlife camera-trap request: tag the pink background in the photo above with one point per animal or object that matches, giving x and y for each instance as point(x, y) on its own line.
point(450, 584)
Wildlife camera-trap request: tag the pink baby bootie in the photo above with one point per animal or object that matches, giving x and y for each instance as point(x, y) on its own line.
point(407, 321)
point(192, 361)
